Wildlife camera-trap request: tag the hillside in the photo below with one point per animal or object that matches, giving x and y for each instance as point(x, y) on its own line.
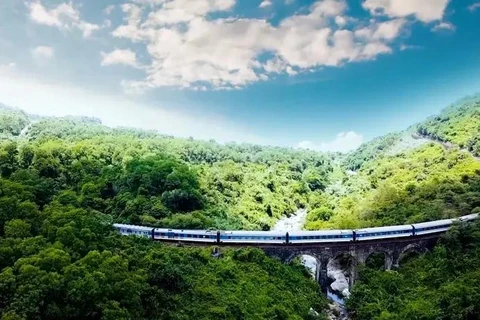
point(65, 180)
point(458, 124)
point(440, 178)
point(443, 284)
point(136, 176)
point(402, 178)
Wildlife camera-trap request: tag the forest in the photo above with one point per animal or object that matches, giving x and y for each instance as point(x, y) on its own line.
point(64, 181)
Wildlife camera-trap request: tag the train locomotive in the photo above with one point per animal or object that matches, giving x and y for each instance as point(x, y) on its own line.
point(295, 237)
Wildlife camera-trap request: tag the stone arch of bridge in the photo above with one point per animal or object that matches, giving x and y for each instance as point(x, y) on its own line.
point(387, 256)
point(318, 261)
point(349, 261)
point(411, 248)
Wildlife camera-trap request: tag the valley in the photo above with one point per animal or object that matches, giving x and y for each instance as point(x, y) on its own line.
point(64, 181)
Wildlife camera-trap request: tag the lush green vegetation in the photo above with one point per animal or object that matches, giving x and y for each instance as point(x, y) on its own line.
point(458, 124)
point(12, 121)
point(371, 150)
point(432, 181)
point(427, 183)
point(402, 178)
point(65, 180)
point(63, 183)
point(76, 267)
point(143, 177)
point(443, 284)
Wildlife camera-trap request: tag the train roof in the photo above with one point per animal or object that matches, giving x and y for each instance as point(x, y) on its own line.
point(320, 232)
point(186, 231)
point(132, 227)
point(468, 217)
point(254, 233)
point(433, 223)
point(385, 229)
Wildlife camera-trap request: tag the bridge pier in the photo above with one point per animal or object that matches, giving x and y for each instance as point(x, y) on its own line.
point(323, 276)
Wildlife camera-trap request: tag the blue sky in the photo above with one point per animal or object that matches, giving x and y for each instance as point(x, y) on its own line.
point(322, 74)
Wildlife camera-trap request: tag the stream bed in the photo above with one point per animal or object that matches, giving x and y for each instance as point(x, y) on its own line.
point(338, 288)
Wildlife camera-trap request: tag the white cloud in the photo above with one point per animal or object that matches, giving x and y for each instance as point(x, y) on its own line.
point(118, 56)
point(175, 11)
point(64, 17)
point(343, 142)
point(340, 21)
point(54, 99)
point(424, 10)
point(43, 53)
point(190, 50)
point(473, 7)
point(265, 3)
point(109, 9)
point(444, 26)
point(388, 30)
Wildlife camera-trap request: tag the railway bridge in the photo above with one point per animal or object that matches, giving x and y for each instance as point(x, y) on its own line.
point(356, 253)
point(354, 246)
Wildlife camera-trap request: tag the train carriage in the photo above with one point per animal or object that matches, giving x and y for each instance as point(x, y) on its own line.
point(269, 237)
point(321, 236)
point(127, 229)
point(433, 226)
point(185, 235)
point(467, 218)
point(383, 232)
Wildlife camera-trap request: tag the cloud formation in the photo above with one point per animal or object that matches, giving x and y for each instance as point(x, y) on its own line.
point(474, 6)
point(189, 49)
point(265, 3)
point(343, 142)
point(118, 56)
point(443, 26)
point(423, 10)
point(64, 17)
point(204, 44)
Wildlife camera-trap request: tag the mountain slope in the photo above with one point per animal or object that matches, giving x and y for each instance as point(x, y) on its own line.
point(458, 124)
point(63, 181)
point(403, 178)
point(116, 171)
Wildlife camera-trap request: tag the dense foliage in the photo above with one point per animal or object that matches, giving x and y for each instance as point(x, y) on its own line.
point(443, 284)
point(12, 121)
point(64, 181)
point(426, 183)
point(432, 181)
point(75, 267)
point(404, 177)
point(143, 177)
point(459, 124)
point(370, 150)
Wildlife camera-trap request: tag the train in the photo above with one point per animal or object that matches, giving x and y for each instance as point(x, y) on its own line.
point(295, 237)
